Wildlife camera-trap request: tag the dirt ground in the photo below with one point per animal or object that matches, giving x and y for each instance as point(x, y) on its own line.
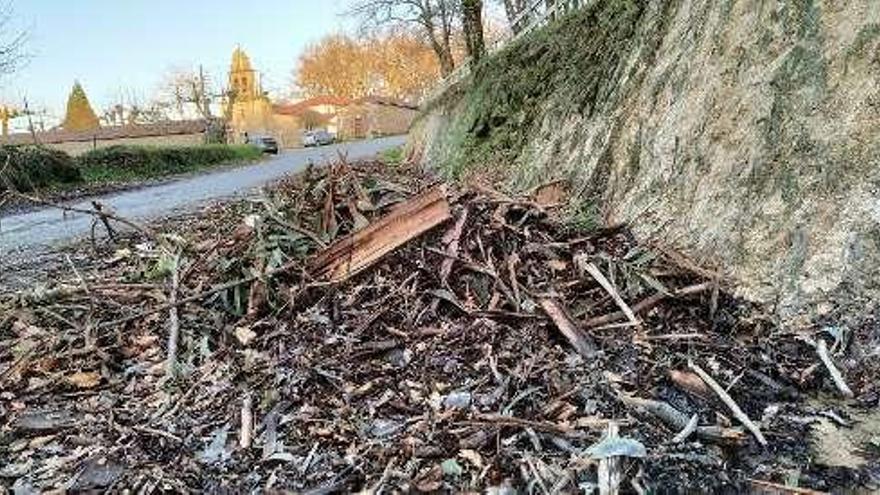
point(498, 352)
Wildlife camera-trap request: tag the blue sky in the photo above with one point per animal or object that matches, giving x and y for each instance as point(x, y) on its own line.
point(113, 45)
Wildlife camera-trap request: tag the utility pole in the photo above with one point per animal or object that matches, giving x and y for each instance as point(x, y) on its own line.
point(205, 102)
point(31, 128)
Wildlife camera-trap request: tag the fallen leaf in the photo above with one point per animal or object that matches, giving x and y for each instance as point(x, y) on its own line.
point(84, 379)
point(245, 335)
point(557, 265)
point(216, 451)
point(473, 457)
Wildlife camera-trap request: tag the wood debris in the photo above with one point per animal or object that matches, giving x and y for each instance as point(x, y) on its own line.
point(354, 329)
point(350, 255)
point(836, 376)
point(578, 339)
point(594, 272)
point(729, 402)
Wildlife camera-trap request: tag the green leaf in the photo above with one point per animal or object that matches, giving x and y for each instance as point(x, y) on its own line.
point(163, 266)
point(451, 468)
point(655, 284)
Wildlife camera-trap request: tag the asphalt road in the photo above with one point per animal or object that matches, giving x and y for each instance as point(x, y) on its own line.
point(49, 227)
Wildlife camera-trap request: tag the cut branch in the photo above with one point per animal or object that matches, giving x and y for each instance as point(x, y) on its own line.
point(557, 313)
point(355, 252)
point(729, 402)
point(173, 321)
point(836, 376)
point(647, 303)
point(594, 271)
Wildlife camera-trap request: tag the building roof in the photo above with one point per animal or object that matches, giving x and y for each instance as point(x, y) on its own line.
point(107, 133)
point(301, 107)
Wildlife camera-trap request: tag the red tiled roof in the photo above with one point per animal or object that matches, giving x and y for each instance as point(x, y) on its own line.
point(300, 107)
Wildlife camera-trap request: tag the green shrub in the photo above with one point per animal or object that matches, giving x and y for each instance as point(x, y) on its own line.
point(25, 168)
point(134, 162)
point(392, 156)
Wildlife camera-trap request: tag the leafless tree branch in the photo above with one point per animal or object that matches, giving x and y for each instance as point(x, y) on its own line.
point(12, 41)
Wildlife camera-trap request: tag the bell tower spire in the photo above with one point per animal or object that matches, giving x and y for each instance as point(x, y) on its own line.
point(242, 77)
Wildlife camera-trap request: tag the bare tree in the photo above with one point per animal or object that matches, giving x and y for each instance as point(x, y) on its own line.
point(187, 89)
point(129, 108)
point(12, 41)
point(112, 115)
point(434, 18)
point(514, 9)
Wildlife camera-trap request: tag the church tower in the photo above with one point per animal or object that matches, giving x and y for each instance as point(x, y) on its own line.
point(243, 77)
point(249, 111)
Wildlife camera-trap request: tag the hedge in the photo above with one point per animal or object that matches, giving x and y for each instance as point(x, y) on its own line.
point(26, 168)
point(119, 162)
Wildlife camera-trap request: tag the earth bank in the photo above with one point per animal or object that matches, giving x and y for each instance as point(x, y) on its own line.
point(743, 132)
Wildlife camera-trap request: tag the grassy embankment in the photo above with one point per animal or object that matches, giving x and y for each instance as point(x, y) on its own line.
point(516, 97)
point(28, 168)
point(133, 163)
point(550, 73)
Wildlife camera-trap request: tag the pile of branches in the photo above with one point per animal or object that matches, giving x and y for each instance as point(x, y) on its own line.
point(284, 344)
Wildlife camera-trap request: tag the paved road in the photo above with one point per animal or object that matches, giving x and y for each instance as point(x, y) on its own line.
point(46, 227)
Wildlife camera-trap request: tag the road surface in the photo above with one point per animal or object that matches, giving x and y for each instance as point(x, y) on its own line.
point(47, 227)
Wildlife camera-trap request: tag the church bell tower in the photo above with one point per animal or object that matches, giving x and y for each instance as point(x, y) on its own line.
point(243, 77)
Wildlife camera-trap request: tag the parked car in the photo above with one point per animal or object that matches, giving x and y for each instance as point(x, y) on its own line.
point(318, 138)
point(267, 144)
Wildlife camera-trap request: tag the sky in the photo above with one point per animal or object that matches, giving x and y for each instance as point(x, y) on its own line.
point(114, 46)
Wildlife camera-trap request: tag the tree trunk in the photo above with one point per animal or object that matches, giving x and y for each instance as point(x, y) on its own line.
point(472, 24)
point(440, 41)
point(444, 56)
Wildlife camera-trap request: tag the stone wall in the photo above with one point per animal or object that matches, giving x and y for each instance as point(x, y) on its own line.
point(79, 147)
point(365, 119)
point(745, 132)
point(173, 133)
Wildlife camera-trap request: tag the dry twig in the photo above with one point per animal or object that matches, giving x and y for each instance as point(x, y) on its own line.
point(103, 215)
point(648, 303)
point(542, 426)
point(594, 271)
point(610, 474)
point(247, 421)
point(836, 376)
point(173, 320)
point(729, 402)
point(580, 341)
point(676, 420)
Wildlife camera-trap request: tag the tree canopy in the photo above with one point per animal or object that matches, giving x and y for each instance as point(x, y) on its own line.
point(397, 64)
point(80, 116)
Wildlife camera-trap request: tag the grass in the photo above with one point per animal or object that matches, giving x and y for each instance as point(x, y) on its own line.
point(133, 163)
point(583, 217)
point(550, 73)
point(393, 156)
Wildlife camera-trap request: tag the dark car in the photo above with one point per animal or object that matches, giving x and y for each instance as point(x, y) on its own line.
point(318, 138)
point(266, 144)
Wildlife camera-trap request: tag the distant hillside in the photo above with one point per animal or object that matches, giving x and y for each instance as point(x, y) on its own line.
point(745, 132)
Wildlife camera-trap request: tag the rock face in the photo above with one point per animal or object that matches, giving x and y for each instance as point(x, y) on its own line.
point(746, 132)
